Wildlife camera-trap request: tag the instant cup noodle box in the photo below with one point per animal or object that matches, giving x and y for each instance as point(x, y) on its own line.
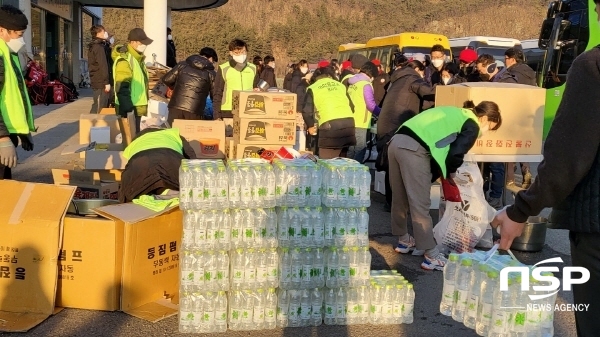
point(243, 151)
point(126, 259)
point(522, 110)
point(258, 131)
point(31, 223)
point(88, 184)
point(207, 138)
point(253, 104)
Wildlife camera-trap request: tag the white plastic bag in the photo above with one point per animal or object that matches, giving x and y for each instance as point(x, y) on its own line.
point(463, 224)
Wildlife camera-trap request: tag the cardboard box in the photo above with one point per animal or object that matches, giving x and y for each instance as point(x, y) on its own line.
point(242, 151)
point(87, 186)
point(31, 222)
point(207, 138)
point(229, 143)
point(254, 104)
point(264, 131)
point(88, 121)
point(522, 110)
point(90, 264)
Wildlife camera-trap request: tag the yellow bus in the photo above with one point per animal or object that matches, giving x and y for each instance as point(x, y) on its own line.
point(384, 47)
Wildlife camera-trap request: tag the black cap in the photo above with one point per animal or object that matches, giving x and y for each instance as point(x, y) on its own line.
point(138, 34)
point(12, 18)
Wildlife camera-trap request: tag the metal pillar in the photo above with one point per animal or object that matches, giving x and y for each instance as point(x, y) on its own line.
point(155, 26)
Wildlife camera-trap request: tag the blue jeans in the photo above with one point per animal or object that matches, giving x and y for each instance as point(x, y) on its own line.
point(358, 151)
point(497, 179)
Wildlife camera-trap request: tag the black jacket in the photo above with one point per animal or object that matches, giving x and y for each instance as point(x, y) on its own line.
point(379, 84)
point(171, 54)
point(296, 80)
point(504, 76)
point(301, 94)
point(287, 82)
point(219, 91)
point(403, 100)
point(3, 129)
point(523, 73)
point(192, 82)
point(469, 74)
point(100, 63)
point(432, 75)
point(268, 75)
point(569, 176)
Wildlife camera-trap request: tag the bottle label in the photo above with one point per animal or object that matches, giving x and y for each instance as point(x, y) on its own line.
point(271, 232)
point(247, 316)
point(397, 310)
point(210, 235)
point(234, 193)
point(221, 194)
point(200, 235)
point(486, 310)
point(329, 232)
point(184, 194)
point(316, 311)
point(388, 310)
point(259, 314)
point(286, 272)
point(448, 292)
point(187, 277)
point(341, 310)
point(408, 309)
point(199, 276)
point(208, 317)
point(305, 312)
point(222, 274)
point(270, 315)
point(250, 274)
point(235, 315)
point(343, 193)
point(246, 193)
point(331, 273)
point(296, 270)
point(221, 316)
point(273, 274)
point(238, 273)
point(472, 305)
point(519, 318)
point(305, 272)
point(461, 300)
point(186, 317)
point(282, 312)
point(198, 194)
point(344, 273)
point(329, 311)
point(283, 233)
point(499, 319)
point(261, 274)
point(376, 309)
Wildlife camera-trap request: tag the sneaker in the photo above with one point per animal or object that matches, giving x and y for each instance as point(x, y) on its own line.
point(436, 263)
point(496, 203)
point(526, 180)
point(406, 247)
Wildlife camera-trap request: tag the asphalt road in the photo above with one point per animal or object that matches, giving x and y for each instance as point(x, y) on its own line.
point(428, 285)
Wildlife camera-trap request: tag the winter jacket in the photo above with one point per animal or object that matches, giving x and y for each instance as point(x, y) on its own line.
point(504, 76)
point(219, 91)
point(432, 75)
point(192, 82)
point(287, 82)
point(123, 76)
point(171, 54)
point(403, 100)
point(100, 63)
point(301, 94)
point(268, 75)
point(523, 73)
point(469, 74)
point(379, 84)
point(295, 80)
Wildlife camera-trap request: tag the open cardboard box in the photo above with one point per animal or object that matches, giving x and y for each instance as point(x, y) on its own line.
point(31, 223)
point(88, 184)
point(207, 138)
point(129, 257)
point(116, 124)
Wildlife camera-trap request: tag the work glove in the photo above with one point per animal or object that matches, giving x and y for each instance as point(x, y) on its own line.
point(8, 153)
point(107, 88)
point(26, 142)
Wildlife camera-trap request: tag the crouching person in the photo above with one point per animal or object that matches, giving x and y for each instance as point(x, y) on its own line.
point(154, 157)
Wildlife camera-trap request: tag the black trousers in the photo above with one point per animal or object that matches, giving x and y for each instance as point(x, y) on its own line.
point(388, 189)
point(585, 252)
point(6, 172)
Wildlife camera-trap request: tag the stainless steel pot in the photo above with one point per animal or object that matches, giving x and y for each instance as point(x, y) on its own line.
point(533, 237)
point(84, 207)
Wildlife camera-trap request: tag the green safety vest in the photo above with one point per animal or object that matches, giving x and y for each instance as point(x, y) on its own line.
point(139, 86)
point(330, 99)
point(14, 100)
point(437, 126)
point(163, 139)
point(236, 80)
point(362, 116)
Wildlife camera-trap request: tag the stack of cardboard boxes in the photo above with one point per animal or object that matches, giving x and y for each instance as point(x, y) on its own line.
point(262, 120)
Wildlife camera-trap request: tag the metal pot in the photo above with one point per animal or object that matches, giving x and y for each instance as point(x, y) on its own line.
point(84, 207)
point(533, 237)
point(263, 85)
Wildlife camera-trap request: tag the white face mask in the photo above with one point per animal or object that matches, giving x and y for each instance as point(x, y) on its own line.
point(112, 40)
point(141, 48)
point(272, 65)
point(437, 63)
point(446, 80)
point(239, 58)
point(105, 36)
point(169, 37)
point(304, 70)
point(16, 44)
point(484, 130)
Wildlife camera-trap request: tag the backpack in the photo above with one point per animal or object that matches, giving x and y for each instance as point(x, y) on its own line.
point(55, 93)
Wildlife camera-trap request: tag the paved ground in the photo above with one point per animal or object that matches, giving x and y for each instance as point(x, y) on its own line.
point(58, 127)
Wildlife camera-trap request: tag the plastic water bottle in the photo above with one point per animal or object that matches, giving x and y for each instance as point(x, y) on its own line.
point(364, 182)
point(363, 228)
point(318, 237)
point(185, 186)
point(295, 308)
point(376, 308)
point(221, 312)
point(501, 312)
point(352, 227)
point(518, 317)
point(272, 258)
point(409, 304)
point(270, 309)
point(186, 316)
point(258, 312)
point(474, 295)
point(365, 264)
point(283, 227)
point(236, 307)
point(316, 307)
point(283, 306)
point(306, 281)
point(486, 303)
point(318, 270)
point(341, 226)
point(341, 305)
point(296, 268)
point(548, 315)
point(330, 306)
point(387, 311)
point(270, 181)
point(461, 289)
point(398, 307)
point(330, 223)
point(285, 269)
point(344, 268)
point(448, 290)
point(235, 186)
point(332, 268)
point(305, 308)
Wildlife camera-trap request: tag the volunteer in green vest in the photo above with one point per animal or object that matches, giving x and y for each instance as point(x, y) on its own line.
point(430, 145)
point(153, 163)
point(327, 111)
point(131, 76)
point(16, 118)
point(235, 74)
point(360, 91)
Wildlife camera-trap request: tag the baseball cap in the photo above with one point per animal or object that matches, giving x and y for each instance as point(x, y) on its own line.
point(323, 64)
point(138, 34)
point(467, 56)
point(376, 62)
point(346, 65)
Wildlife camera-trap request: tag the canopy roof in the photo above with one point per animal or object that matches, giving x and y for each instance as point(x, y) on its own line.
point(176, 5)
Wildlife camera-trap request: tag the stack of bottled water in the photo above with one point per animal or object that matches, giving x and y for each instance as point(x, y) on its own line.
point(298, 183)
point(299, 308)
point(346, 183)
point(254, 268)
point(253, 309)
point(251, 184)
point(203, 185)
point(472, 295)
point(203, 311)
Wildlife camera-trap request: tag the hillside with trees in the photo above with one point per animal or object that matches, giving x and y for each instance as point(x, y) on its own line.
point(293, 31)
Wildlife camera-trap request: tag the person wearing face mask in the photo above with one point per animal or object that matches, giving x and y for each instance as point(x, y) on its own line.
point(131, 76)
point(100, 68)
point(428, 146)
point(297, 76)
point(268, 73)
point(287, 80)
point(489, 71)
point(362, 95)
point(404, 99)
point(468, 71)
point(450, 74)
point(16, 115)
point(235, 74)
point(433, 71)
point(171, 50)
